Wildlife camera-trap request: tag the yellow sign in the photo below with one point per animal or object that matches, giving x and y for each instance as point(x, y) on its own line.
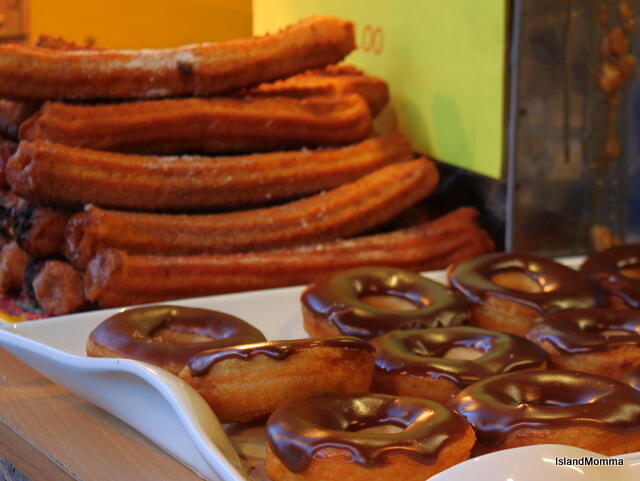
point(444, 61)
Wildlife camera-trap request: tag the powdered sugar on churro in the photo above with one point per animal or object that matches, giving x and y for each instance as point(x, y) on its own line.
point(28, 72)
point(157, 60)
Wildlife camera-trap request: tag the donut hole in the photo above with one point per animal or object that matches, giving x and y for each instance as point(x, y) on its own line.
point(463, 353)
point(171, 336)
point(466, 350)
point(517, 281)
point(391, 302)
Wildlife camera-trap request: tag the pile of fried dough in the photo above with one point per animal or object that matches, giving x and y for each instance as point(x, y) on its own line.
point(135, 176)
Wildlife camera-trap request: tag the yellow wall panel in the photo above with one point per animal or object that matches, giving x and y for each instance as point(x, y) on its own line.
point(142, 23)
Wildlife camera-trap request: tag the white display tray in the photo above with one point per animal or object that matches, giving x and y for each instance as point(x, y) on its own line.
point(173, 416)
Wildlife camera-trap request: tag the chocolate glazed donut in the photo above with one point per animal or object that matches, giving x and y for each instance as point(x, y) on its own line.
point(168, 336)
point(332, 438)
point(231, 378)
point(423, 363)
point(617, 270)
point(335, 304)
point(599, 341)
point(552, 407)
point(508, 291)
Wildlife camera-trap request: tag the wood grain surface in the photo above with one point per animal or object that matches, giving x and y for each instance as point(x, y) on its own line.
point(50, 434)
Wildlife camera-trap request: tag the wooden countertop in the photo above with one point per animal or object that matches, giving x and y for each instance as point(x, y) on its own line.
point(50, 434)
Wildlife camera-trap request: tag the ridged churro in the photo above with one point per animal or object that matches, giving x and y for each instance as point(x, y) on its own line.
point(115, 278)
point(332, 80)
point(68, 176)
point(14, 112)
point(29, 72)
point(344, 211)
point(216, 125)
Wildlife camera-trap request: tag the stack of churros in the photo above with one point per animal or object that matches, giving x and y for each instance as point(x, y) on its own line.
point(149, 175)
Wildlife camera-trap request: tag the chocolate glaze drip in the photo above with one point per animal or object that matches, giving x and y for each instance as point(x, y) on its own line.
point(502, 404)
point(130, 333)
point(604, 267)
point(300, 428)
point(632, 378)
point(420, 353)
point(580, 330)
point(561, 287)
point(337, 298)
point(201, 363)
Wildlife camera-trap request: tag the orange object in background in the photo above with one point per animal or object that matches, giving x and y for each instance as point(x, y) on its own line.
point(139, 23)
point(14, 20)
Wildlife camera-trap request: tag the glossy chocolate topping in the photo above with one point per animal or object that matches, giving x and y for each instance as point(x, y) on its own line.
point(338, 298)
point(560, 286)
point(421, 353)
point(300, 428)
point(632, 378)
point(502, 404)
point(608, 267)
point(201, 363)
point(131, 333)
point(584, 330)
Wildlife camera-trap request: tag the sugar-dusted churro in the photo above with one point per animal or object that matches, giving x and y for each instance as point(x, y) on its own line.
point(332, 80)
point(216, 125)
point(14, 112)
point(344, 211)
point(70, 176)
point(205, 69)
point(115, 278)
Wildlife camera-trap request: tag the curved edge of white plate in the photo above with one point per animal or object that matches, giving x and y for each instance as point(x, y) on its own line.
point(154, 402)
point(541, 461)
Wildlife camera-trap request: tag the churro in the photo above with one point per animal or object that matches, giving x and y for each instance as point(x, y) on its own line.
point(216, 125)
point(69, 176)
point(39, 231)
point(344, 211)
point(331, 80)
point(55, 287)
point(30, 72)
point(14, 112)
point(13, 262)
point(115, 278)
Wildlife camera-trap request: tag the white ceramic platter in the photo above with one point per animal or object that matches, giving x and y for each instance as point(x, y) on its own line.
point(173, 416)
